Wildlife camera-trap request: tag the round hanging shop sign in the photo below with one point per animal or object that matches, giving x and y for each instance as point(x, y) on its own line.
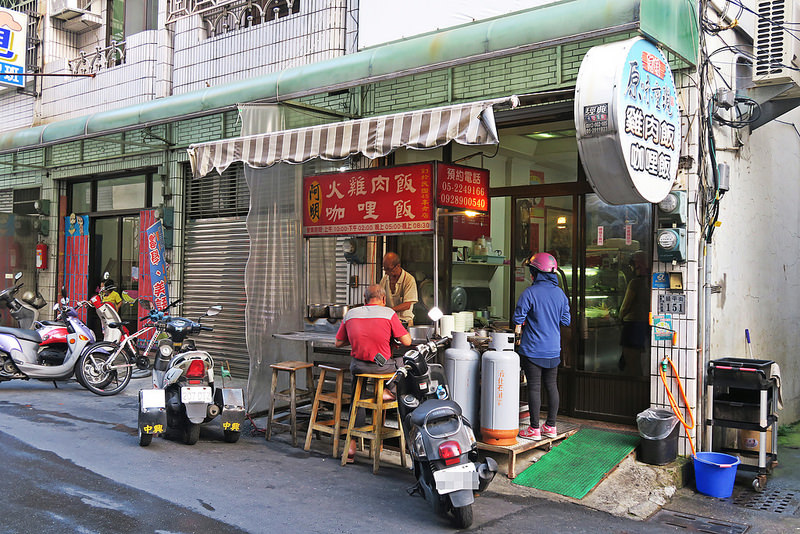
point(627, 122)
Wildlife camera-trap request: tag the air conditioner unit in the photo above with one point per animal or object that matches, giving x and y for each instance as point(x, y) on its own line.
point(76, 14)
point(776, 47)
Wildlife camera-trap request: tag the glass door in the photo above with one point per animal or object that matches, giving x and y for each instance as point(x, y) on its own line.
point(613, 366)
point(115, 250)
point(547, 224)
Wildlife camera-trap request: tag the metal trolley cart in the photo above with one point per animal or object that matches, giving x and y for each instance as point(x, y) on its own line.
point(743, 395)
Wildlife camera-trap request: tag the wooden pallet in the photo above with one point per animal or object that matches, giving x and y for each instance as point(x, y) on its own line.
point(524, 445)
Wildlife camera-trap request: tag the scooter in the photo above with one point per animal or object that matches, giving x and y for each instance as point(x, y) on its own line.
point(184, 395)
point(439, 438)
point(24, 309)
point(26, 354)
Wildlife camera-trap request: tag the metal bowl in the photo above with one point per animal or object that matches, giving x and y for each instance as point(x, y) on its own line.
point(337, 311)
point(317, 311)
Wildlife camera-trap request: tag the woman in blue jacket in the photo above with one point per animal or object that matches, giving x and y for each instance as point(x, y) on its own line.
point(541, 311)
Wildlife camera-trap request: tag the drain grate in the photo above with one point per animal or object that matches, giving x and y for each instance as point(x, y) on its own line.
point(770, 500)
point(696, 523)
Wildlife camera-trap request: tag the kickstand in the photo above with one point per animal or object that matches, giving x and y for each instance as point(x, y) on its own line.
point(416, 489)
point(55, 384)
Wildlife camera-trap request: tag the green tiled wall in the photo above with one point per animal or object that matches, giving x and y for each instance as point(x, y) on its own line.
point(537, 70)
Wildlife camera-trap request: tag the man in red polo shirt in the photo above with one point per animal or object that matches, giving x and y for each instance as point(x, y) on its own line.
point(369, 331)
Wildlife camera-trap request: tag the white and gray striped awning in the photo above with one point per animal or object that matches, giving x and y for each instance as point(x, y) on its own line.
point(467, 124)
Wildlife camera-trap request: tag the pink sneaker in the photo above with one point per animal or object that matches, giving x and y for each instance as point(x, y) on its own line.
point(549, 431)
point(531, 433)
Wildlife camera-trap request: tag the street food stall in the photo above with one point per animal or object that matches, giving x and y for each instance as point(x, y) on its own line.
point(370, 206)
point(277, 286)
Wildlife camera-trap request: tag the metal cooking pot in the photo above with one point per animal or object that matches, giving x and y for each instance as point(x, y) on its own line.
point(337, 311)
point(420, 332)
point(316, 311)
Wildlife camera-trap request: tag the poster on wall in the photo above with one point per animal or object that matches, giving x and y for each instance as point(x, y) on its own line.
point(389, 200)
point(13, 45)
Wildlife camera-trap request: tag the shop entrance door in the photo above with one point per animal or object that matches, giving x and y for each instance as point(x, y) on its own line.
point(604, 256)
point(115, 250)
point(548, 224)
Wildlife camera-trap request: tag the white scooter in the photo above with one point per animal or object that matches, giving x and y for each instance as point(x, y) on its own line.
point(25, 308)
point(21, 355)
point(184, 395)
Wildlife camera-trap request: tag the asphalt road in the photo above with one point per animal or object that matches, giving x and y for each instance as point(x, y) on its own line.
point(73, 464)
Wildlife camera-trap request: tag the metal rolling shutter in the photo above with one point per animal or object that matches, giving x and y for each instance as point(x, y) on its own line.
point(215, 255)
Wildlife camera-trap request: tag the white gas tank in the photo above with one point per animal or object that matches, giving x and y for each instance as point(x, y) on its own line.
point(500, 391)
point(462, 366)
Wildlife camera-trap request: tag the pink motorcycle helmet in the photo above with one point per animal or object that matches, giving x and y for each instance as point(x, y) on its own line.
point(542, 261)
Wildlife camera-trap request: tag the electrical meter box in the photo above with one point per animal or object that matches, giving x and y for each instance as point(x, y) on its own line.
point(672, 211)
point(671, 245)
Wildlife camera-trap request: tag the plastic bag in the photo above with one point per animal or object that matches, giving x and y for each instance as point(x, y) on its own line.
point(656, 423)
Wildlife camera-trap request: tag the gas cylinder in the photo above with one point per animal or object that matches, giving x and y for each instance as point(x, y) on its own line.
point(462, 366)
point(500, 391)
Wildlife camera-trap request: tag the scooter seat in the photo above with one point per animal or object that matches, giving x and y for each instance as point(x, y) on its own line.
point(434, 409)
point(22, 333)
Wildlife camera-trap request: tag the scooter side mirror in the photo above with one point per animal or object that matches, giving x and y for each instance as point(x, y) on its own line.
point(146, 305)
point(64, 293)
point(213, 310)
point(17, 276)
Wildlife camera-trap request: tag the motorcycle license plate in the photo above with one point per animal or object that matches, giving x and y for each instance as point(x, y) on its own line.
point(456, 478)
point(196, 394)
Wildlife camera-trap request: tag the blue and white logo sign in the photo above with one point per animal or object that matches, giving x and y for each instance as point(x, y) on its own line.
point(13, 44)
point(628, 122)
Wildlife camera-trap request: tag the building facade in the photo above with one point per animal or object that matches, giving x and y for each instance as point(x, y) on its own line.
point(113, 148)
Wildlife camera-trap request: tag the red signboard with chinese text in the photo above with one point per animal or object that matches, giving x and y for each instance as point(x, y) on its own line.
point(388, 200)
point(462, 188)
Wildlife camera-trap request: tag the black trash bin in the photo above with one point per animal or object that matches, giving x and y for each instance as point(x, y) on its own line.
point(658, 429)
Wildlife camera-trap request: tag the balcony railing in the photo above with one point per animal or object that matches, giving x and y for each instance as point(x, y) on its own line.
point(100, 59)
point(222, 16)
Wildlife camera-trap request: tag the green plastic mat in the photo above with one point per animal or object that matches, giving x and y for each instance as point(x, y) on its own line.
point(579, 463)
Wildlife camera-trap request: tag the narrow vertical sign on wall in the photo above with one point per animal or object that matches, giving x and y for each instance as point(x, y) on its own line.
point(158, 265)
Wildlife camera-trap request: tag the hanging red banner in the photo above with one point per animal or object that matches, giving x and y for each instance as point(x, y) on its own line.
point(389, 200)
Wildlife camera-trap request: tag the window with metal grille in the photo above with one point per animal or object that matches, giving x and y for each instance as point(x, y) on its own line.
point(30, 8)
point(223, 16)
point(24, 199)
point(216, 195)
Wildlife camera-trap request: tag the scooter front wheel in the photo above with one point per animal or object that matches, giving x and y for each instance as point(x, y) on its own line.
point(102, 373)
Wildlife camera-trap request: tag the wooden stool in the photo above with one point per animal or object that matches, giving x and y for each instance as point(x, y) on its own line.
point(336, 398)
point(375, 432)
point(293, 395)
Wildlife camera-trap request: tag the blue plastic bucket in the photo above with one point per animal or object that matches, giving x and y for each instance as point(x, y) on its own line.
point(714, 473)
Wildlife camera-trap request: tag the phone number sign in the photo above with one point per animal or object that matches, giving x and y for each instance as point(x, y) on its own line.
point(371, 201)
point(464, 188)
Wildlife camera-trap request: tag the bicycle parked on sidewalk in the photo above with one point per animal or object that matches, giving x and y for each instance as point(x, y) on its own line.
point(106, 367)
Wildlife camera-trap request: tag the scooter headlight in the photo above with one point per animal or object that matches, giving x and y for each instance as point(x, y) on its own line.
point(419, 446)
